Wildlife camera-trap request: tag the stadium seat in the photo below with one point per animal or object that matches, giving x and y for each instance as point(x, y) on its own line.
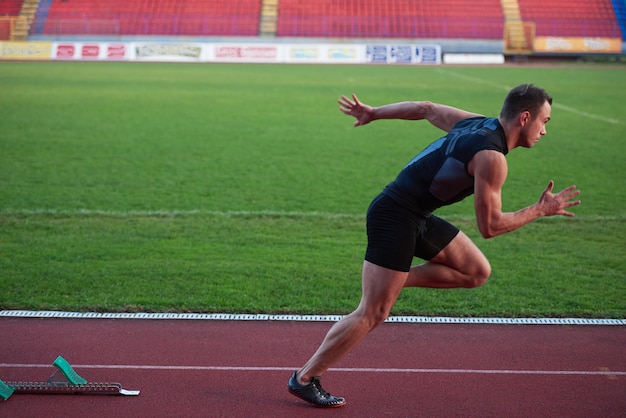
point(452, 19)
point(573, 18)
point(479, 19)
point(153, 17)
point(10, 7)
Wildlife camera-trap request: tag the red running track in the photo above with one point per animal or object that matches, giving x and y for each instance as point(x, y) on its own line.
point(199, 368)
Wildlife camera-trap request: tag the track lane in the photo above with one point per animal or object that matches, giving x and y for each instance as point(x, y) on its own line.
point(237, 369)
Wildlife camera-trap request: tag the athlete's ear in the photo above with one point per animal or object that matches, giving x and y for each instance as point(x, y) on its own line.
point(524, 117)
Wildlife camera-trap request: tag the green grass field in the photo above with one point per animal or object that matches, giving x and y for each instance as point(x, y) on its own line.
point(242, 188)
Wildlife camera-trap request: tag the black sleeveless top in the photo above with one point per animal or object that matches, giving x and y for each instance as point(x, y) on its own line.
point(438, 175)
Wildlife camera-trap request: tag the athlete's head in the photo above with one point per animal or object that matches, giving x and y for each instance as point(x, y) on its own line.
point(524, 98)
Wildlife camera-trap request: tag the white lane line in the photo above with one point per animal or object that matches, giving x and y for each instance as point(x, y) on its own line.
point(557, 105)
point(475, 80)
point(586, 114)
point(338, 369)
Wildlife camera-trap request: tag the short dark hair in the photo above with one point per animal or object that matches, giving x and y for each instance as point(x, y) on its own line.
point(525, 97)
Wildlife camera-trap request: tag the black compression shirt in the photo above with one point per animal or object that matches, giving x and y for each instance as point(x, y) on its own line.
point(438, 175)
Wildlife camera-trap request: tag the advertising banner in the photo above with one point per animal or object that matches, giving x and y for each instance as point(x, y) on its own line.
point(90, 51)
point(245, 53)
point(403, 54)
point(170, 51)
point(344, 53)
point(473, 58)
point(553, 44)
point(323, 54)
point(25, 50)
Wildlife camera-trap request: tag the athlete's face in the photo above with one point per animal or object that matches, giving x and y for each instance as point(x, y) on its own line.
point(535, 125)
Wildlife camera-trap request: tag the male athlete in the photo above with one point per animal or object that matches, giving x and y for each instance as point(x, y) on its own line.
point(470, 158)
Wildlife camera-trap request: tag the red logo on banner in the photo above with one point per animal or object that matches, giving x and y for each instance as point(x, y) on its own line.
point(65, 51)
point(249, 52)
point(228, 52)
point(90, 51)
point(116, 51)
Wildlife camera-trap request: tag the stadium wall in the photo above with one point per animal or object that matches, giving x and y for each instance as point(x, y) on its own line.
point(305, 51)
point(245, 51)
point(233, 51)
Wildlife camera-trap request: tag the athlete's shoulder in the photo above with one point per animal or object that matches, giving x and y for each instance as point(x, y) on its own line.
point(478, 134)
point(469, 123)
point(477, 122)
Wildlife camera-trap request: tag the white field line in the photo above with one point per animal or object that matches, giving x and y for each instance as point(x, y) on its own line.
point(586, 114)
point(176, 212)
point(339, 369)
point(171, 213)
point(557, 105)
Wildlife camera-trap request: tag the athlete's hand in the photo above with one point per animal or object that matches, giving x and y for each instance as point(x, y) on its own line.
point(555, 204)
point(363, 113)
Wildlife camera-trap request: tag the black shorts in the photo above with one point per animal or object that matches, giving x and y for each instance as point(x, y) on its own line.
point(395, 235)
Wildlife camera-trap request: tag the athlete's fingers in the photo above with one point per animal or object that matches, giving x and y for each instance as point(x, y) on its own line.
point(567, 195)
point(549, 188)
point(569, 205)
point(345, 102)
point(570, 192)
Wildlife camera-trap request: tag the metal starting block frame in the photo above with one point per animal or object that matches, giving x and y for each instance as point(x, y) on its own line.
point(64, 380)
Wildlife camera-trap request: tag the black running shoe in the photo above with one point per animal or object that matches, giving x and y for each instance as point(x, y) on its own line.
point(313, 393)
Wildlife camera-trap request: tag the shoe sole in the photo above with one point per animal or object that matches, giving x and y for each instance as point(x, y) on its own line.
point(297, 395)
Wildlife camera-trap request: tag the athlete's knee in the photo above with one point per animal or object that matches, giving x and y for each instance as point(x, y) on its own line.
point(478, 274)
point(379, 316)
point(381, 287)
point(373, 316)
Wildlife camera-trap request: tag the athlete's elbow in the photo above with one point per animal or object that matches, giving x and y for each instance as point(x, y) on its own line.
point(488, 230)
point(485, 229)
point(490, 225)
point(421, 110)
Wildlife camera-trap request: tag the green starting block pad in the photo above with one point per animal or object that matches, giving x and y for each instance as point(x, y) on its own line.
point(64, 380)
point(5, 391)
point(70, 374)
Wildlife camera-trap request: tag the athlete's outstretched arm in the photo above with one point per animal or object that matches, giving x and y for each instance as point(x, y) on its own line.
point(490, 170)
point(442, 116)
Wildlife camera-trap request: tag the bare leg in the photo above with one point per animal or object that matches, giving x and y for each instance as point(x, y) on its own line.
point(460, 264)
point(381, 288)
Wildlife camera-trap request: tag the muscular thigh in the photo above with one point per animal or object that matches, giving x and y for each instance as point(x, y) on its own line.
point(464, 256)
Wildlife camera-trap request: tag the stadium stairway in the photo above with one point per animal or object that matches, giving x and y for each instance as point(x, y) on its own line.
point(21, 13)
point(518, 35)
point(515, 38)
point(268, 22)
point(27, 13)
point(9, 10)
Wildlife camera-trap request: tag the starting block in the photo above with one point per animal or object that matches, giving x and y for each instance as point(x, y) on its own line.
point(64, 380)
